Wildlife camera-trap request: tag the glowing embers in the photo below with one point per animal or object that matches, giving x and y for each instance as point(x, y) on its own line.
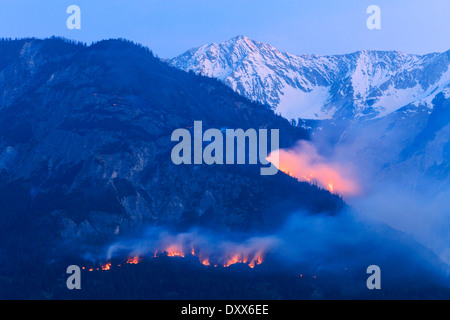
point(134, 260)
point(251, 262)
point(251, 259)
point(224, 260)
point(256, 261)
point(174, 251)
point(204, 249)
point(106, 266)
point(205, 262)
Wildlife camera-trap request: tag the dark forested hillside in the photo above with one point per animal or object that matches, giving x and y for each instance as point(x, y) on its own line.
point(85, 151)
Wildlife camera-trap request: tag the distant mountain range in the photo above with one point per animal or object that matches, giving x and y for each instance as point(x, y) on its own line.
point(405, 97)
point(362, 85)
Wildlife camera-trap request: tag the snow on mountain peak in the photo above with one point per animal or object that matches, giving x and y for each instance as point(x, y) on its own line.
point(364, 84)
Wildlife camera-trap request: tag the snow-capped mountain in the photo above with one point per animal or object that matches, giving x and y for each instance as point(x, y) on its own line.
point(360, 85)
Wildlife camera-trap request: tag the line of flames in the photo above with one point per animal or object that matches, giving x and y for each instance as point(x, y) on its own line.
point(174, 251)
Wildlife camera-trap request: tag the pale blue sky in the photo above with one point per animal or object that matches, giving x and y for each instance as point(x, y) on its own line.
point(170, 27)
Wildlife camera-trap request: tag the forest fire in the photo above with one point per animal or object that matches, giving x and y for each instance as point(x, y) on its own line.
point(133, 260)
point(205, 262)
point(330, 187)
point(174, 251)
point(198, 247)
point(241, 256)
point(305, 164)
point(228, 260)
point(106, 266)
point(256, 260)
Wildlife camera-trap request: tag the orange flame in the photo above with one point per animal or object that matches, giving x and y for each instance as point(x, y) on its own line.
point(231, 261)
point(234, 254)
point(258, 260)
point(330, 187)
point(106, 266)
point(133, 260)
point(205, 262)
point(238, 259)
point(174, 251)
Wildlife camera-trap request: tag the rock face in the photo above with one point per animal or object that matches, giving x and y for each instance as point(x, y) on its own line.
point(85, 146)
point(361, 85)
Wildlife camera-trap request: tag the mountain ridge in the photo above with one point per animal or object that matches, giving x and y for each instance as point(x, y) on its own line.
point(360, 85)
point(85, 143)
